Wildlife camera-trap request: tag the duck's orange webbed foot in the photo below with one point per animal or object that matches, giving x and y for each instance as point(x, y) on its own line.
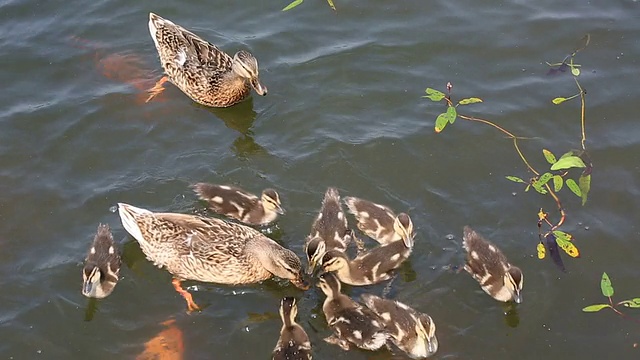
point(192, 306)
point(157, 88)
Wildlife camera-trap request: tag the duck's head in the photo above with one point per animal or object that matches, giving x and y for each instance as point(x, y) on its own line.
point(271, 201)
point(403, 226)
point(91, 277)
point(287, 265)
point(245, 65)
point(315, 249)
point(334, 260)
point(426, 330)
point(329, 284)
point(513, 280)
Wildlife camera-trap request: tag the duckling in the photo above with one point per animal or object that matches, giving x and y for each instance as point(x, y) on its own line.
point(294, 343)
point(369, 267)
point(238, 204)
point(329, 230)
point(379, 222)
point(351, 322)
point(203, 72)
point(102, 265)
point(486, 263)
point(204, 249)
point(411, 331)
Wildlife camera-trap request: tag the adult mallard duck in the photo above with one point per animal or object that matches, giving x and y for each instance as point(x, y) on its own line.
point(488, 265)
point(351, 322)
point(379, 222)
point(329, 230)
point(201, 70)
point(192, 247)
point(411, 331)
point(238, 204)
point(102, 265)
point(293, 343)
point(369, 267)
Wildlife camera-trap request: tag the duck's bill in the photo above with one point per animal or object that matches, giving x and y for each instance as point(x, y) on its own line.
point(517, 298)
point(258, 87)
point(432, 345)
point(301, 284)
point(280, 210)
point(86, 288)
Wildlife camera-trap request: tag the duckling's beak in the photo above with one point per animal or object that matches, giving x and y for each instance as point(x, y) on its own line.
point(280, 210)
point(432, 345)
point(258, 87)
point(517, 297)
point(86, 287)
point(311, 266)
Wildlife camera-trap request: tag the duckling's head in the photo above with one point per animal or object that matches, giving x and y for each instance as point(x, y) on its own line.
point(245, 65)
point(329, 284)
point(426, 330)
point(91, 277)
point(334, 260)
point(403, 226)
point(271, 201)
point(315, 249)
point(513, 280)
point(288, 310)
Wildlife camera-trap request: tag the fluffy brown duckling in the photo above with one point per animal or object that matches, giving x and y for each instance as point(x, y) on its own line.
point(488, 265)
point(293, 343)
point(238, 204)
point(411, 331)
point(329, 230)
point(102, 265)
point(352, 323)
point(379, 222)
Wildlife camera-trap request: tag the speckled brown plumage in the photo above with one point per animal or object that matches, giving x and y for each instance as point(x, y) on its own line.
point(293, 343)
point(202, 71)
point(101, 270)
point(378, 221)
point(411, 331)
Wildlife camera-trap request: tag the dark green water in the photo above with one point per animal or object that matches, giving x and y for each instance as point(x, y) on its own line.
point(344, 109)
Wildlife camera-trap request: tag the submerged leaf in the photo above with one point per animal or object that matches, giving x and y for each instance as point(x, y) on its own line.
point(542, 252)
point(557, 183)
point(292, 5)
point(514, 179)
point(551, 159)
point(554, 251)
point(606, 286)
point(584, 183)
point(559, 100)
point(595, 308)
point(467, 101)
point(633, 303)
point(433, 94)
point(568, 162)
point(571, 184)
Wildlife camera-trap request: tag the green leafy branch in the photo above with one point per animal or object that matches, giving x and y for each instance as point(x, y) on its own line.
point(607, 290)
point(295, 3)
point(549, 182)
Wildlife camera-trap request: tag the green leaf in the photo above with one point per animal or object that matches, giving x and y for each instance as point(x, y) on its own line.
point(515, 179)
point(567, 246)
point(467, 101)
point(452, 113)
point(595, 308)
point(606, 286)
point(568, 162)
point(559, 100)
point(544, 178)
point(527, 188)
point(433, 94)
point(633, 303)
point(539, 187)
point(557, 183)
point(575, 71)
point(562, 235)
point(331, 4)
point(292, 5)
point(441, 121)
point(551, 159)
point(571, 184)
point(584, 182)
